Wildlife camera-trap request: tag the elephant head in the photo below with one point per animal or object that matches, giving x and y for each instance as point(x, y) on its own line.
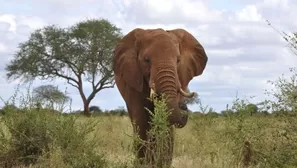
point(159, 61)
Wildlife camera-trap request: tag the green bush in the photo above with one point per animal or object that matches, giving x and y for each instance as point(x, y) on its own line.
point(29, 138)
point(212, 114)
point(120, 111)
point(160, 136)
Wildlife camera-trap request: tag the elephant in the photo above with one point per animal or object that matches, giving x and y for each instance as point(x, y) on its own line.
point(156, 61)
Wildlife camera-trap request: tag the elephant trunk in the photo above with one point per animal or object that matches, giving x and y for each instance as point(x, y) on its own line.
point(166, 82)
point(178, 117)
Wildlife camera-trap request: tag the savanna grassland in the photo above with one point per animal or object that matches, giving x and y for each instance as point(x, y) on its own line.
point(214, 142)
point(42, 138)
point(36, 133)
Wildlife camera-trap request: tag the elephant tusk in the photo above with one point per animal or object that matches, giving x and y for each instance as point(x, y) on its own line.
point(152, 92)
point(188, 95)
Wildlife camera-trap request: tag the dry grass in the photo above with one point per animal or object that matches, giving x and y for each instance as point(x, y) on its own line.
point(205, 142)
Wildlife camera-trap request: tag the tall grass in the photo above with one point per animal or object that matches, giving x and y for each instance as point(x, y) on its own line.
point(42, 138)
point(160, 136)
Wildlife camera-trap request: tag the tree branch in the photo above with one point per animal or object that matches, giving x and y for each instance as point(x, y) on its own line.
point(105, 85)
point(93, 80)
point(108, 86)
point(80, 89)
point(70, 64)
point(72, 84)
point(56, 72)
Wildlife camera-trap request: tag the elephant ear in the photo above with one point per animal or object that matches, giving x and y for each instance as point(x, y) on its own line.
point(193, 58)
point(125, 61)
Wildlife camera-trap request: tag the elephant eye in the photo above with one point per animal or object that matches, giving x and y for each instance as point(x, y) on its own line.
point(147, 59)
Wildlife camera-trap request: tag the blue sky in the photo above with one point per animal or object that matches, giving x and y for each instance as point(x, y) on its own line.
point(244, 52)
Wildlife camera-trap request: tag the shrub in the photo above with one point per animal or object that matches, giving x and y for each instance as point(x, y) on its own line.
point(120, 111)
point(284, 93)
point(160, 136)
point(34, 134)
point(212, 114)
point(95, 109)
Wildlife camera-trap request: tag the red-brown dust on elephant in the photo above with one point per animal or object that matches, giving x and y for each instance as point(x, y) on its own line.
point(156, 61)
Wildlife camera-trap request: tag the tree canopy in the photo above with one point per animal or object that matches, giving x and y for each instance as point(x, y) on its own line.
point(79, 53)
point(50, 96)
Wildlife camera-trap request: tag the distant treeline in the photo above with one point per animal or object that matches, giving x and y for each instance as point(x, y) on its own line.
point(94, 110)
point(247, 110)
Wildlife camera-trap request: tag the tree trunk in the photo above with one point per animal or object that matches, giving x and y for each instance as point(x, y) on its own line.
point(83, 97)
point(86, 101)
point(86, 108)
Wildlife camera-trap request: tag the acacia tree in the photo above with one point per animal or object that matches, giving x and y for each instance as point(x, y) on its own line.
point(50, 95)
point(79, 53)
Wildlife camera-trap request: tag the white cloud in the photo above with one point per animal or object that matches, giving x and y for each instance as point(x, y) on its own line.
point(3, 48)
point(10, 19)
point(249, 13)
point(226, 52)
point(159, 7)
point(276, 3)
point(154, 26)
point(170, 12)
point(32, 22)
point(200, 11)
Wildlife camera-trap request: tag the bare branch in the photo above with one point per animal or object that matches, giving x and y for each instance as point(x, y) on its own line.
point(292, 41)
point(56, 72)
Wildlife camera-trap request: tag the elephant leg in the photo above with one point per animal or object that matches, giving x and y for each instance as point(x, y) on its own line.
point(139, 117)
point(140, 127)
